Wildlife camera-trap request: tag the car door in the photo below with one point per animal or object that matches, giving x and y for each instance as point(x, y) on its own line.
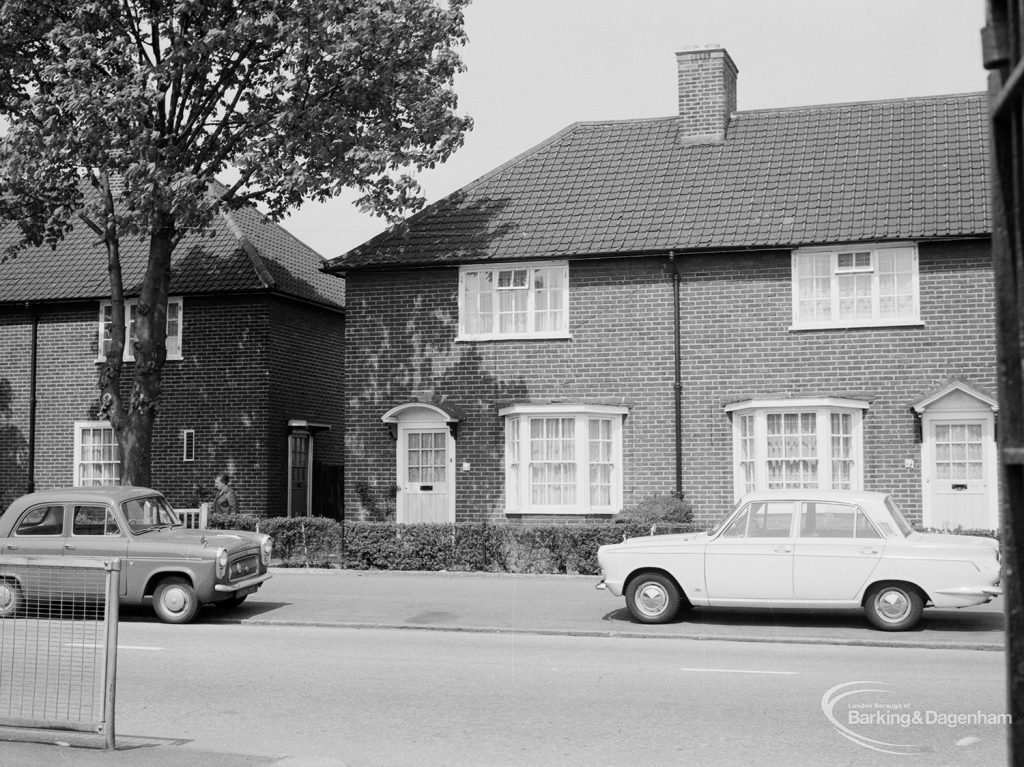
point(837, 549)
point(752, 558)
point(39, 533)
point(95, 533)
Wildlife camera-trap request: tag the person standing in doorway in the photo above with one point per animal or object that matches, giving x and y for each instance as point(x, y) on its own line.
point(226, 501)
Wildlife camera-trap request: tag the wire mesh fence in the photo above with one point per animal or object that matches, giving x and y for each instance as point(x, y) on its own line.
point(58, 644)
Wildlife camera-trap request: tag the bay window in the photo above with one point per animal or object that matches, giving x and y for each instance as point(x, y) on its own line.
point(563, 459)
point(813, 443)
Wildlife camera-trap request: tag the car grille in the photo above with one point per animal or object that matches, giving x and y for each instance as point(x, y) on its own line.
point(245, 567)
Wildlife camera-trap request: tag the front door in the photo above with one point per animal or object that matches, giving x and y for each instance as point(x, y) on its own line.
point(426, 465)
point(960, 472)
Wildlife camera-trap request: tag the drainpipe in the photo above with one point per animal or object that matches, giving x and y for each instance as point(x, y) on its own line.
point(678, 380)
point(31, 486)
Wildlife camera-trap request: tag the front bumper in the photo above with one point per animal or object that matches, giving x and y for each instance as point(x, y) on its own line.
point(248, 583)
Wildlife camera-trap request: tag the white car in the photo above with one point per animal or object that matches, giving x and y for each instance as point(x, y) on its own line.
point(805, 548)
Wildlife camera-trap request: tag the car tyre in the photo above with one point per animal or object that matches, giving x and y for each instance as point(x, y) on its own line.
point(653, 598)
point(11, 599)
point(893, 606)
point(174, 600)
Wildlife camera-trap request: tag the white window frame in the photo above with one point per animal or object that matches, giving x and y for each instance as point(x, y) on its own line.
point(750, 448)
point(836, 272)
point(175, 305)
point(188, 445)
point(518, 497)
point(531, 268)
point(80, 428)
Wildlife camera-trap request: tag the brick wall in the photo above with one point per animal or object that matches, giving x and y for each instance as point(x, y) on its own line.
point(736, 344)
point(401, 341)
point(229, 388)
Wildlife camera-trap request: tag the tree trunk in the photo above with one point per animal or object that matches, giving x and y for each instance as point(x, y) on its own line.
point(134, 429)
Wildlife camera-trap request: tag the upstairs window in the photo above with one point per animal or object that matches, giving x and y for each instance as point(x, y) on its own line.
point(514, 301)
point(174, 323)
point(859, 286)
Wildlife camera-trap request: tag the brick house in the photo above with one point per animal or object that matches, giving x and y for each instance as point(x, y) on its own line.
point(710, 303)
point(251, 385)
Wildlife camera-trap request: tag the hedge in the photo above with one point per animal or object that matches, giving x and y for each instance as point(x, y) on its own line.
point(471, 546)
point(475, 547)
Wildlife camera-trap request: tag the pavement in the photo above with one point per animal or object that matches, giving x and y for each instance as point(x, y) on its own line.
point(480, 602)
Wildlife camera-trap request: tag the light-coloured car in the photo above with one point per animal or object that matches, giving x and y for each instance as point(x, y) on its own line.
point(805, 548)
point(178, 568)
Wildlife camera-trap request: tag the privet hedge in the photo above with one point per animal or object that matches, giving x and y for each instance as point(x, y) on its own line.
point(320, 542)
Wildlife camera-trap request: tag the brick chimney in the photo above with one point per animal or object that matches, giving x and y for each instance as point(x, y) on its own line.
point(707, 93)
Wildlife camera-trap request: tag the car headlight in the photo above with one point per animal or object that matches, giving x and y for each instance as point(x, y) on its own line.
point(222, 562)
point(265, 548)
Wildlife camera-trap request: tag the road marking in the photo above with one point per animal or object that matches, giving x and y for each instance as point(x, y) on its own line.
point(740, 671)
point(95, 646)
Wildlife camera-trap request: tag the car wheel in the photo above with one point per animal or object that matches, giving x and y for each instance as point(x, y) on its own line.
point(11, 599)
point(893, 606)
point(174, 600)
point(230, 602)
point(653, 598)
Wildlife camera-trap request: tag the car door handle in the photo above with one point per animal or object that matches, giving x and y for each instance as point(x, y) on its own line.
point(782, 549)
point(869, 550)
point(11, 546)
point(69, 546)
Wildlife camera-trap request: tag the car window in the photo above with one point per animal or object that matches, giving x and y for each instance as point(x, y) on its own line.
point(835, 520)
point(149, 513)
point(42, 520)
point(94, 520)
point(762, 519)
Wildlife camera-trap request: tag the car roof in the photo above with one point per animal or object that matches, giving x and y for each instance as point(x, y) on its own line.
point(113, 493)
point(848, 496)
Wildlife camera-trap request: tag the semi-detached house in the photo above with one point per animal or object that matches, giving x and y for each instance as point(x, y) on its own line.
point(250, 387)
point(709, 303)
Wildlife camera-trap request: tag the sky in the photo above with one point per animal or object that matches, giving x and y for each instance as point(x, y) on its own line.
point(534, 67)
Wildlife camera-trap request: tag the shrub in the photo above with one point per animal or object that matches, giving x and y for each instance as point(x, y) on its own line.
point(658, 509)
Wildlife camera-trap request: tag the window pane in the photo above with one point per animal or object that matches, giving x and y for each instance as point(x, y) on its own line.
point(552, 461)
point(99, 457)
point(792, 446)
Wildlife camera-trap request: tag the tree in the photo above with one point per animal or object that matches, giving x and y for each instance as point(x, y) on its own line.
point(122, 113)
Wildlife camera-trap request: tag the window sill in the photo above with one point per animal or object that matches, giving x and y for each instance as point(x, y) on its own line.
point(856, 325)
point(177, 358)
point(524, 337)
point(548, 511)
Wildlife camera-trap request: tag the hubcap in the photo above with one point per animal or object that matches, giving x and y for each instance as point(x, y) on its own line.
point(175, 600)
point(6, 596)
point(892, 605)
point(652, 599)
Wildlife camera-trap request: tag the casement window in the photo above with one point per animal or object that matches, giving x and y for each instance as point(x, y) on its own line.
point(174, 323)
point(529, 300)
point(97, 454)
point(563, 459)
point(797, 444)
point(859, 286)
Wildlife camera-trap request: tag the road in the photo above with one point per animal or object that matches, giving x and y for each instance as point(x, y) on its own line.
point(332, 696)
point(361, 669)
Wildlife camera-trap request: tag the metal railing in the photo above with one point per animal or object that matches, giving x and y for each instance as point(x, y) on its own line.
point(58, 645)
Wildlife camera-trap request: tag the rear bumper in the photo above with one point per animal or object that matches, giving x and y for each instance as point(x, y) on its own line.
point(248, 583)
point(610, 586)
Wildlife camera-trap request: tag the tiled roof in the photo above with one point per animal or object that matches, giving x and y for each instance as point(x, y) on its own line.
point(241, 253)
point(884, 170)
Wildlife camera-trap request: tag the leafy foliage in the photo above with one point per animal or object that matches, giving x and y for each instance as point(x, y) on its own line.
point(123, 113)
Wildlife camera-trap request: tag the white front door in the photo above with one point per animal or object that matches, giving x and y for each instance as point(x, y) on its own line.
point(961, 472)
point(426, 475)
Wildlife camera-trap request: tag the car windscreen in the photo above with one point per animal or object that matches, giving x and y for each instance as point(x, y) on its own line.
point(149, 513)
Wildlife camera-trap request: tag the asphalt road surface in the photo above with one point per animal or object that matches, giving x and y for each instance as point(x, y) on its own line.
point(317, 696)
